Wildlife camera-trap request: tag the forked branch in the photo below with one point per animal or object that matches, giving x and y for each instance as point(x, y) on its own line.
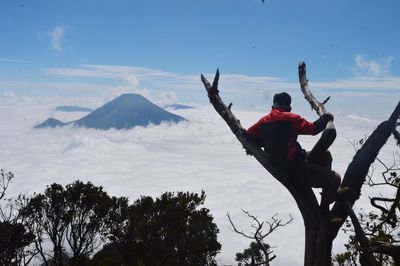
point(329, 134)
point(314, 103)
point(5, 179)
point(258, 234)
point(274, 224)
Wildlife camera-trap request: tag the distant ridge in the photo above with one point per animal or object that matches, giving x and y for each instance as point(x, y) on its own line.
point(51, 122)
point(72, 108)
point(178, 106)
point(125, 111)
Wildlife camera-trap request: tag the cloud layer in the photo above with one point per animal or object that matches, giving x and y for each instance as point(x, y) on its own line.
point(201, 154)
point(234, 82)
point(245, 90)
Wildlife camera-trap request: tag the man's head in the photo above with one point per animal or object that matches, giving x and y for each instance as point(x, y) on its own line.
point(282, 100)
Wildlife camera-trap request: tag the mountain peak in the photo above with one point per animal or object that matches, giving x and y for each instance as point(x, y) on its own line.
point(126, 111)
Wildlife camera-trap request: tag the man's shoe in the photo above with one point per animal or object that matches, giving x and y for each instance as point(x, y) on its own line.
point(341, 191)
point(326, 201)
point(335, 220)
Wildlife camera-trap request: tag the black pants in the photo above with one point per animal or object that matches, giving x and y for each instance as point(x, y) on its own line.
point(316, 173)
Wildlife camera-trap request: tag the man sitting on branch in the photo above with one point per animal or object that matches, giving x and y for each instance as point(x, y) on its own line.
point(277, 133)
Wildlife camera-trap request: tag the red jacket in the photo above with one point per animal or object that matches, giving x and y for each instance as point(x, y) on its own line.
point(277, 132)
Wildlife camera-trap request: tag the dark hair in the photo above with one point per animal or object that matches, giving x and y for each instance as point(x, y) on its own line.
point(282, 100)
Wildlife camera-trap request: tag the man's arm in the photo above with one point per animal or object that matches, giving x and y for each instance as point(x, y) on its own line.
point(320, 123)
point(304, 127)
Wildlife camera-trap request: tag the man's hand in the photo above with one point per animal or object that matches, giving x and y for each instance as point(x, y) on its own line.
point(253, 140)
point(321, 122)
point(327, 117)
point(248, 152)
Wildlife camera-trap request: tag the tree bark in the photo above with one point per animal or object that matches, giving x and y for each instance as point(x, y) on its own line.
point(328, 136)
point(387, 249)
point(319, 234)
point(357, 170)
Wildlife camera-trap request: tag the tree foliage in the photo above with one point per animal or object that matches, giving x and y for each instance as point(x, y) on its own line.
point(170, 230)
point(78, 218)
point(90, 214)
point(13, 239)
point(14, 236)
point(80, 215)
point(253, 255)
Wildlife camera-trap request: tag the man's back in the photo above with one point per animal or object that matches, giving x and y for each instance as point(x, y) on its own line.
point(277, 132)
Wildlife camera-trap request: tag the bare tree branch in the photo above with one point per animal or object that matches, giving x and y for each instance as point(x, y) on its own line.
point(236, 230)
point(5, 180)
point(368, 258)
point(314, 103)
point(357, 170)
point(329, 134)
point(258, 236)
point(387, 249)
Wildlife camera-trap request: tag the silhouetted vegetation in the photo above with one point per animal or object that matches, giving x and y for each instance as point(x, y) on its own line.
point(13, 239)
point(253, 255)
point(380, 226)
point(68, 225)
point(169, 230)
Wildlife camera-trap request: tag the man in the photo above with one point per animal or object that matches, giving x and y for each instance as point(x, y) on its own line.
point(277, 132)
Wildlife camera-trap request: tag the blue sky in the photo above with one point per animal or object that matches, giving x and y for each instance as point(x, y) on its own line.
point(57, 47)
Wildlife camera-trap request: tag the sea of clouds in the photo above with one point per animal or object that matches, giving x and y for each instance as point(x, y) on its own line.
point(199, 154)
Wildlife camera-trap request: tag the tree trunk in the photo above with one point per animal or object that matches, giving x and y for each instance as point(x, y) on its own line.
point(319, 233)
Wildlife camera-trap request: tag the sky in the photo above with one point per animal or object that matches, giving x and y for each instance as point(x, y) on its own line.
point(88, 52)
point(88, 48)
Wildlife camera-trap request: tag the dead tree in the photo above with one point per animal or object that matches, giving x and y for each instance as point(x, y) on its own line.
point(319, 233)
point(5, 179)
point(258, 235)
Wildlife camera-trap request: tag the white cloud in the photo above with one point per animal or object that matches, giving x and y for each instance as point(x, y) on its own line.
point(57, 34)
point(195, 155)
point(8, 95)
point(364, 119)
point(360, 83)
point(377, 67)
point(167, 98)
point(239, 84)
point(163, 78)
point(8, 60)
point(51, 86)
point(244, 91)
